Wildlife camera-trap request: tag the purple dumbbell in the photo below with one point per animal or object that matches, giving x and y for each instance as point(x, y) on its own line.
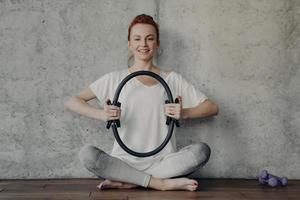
point(271, 180)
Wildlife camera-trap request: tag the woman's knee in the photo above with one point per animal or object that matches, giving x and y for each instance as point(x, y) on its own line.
point(202, 152)
point(88, 156)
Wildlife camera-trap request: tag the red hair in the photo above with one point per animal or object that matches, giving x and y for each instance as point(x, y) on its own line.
point(144, 19)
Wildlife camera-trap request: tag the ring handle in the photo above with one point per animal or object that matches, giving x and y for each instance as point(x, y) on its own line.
point(170, 118)
point(115, 121)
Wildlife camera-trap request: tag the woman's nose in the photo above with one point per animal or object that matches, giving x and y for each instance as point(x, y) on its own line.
point(144, 42)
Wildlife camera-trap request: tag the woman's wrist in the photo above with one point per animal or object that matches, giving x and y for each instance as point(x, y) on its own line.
point(100, 115)
point(185, 113)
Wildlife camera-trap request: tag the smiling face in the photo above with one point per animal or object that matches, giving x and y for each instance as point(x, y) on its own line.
point(143, 41)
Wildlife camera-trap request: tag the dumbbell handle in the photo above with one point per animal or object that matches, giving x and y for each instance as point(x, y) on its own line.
point(273, 176)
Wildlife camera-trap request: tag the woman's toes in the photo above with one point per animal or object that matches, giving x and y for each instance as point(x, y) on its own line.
point(104, 184)
point(191, 187)
point(100, 186)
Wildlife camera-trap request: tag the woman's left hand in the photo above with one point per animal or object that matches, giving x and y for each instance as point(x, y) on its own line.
point(174, 110)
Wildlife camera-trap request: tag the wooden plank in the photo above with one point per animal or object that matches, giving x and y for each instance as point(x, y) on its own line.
point(86, 189)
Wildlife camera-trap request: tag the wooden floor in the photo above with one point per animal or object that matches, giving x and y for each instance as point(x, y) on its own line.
point(86, 189)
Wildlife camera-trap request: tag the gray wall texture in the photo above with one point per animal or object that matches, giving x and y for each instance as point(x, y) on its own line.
point(243, 54)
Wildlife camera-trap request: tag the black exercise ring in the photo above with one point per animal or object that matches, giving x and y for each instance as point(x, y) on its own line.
point(116, 123)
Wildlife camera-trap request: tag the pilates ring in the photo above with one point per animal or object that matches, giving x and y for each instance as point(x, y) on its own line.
point(116, 123)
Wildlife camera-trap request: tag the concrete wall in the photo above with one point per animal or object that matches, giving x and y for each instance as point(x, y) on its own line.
point(244, 54)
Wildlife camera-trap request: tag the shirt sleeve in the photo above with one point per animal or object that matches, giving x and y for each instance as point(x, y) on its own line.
point(101, 88)
point(191, 97)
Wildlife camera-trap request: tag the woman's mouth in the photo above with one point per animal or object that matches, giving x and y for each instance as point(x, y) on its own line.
point(144, 51)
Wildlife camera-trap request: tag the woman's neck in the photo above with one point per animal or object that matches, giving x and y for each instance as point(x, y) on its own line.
point(143, 65)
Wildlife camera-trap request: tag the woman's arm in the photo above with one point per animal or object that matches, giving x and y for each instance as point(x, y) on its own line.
point(79, 105)
point(205, 109)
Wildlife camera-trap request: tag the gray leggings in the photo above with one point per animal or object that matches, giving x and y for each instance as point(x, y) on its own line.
point(181, 163)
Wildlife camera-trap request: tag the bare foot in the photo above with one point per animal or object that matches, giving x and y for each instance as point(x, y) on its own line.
point(174, 184)
point(115, 184)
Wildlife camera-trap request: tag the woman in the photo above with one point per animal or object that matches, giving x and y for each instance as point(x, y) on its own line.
point(143, 114)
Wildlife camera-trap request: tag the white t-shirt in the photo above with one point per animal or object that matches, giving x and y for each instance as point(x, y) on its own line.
point(143, 121)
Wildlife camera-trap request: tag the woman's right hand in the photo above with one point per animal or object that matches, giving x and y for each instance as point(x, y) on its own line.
point(111, 112)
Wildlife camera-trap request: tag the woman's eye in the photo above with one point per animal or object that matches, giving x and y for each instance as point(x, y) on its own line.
point(136, 39)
